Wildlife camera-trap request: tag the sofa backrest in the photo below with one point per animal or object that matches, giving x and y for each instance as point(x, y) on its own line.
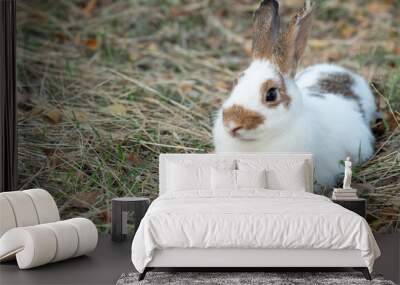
point(235, 159)
point(26, 208)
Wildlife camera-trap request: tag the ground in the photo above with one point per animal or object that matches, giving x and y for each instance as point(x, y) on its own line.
point(104, 86)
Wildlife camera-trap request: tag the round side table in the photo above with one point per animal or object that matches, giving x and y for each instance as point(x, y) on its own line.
point(120, 209)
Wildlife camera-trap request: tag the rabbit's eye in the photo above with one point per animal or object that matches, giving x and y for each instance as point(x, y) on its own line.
point(272, 95)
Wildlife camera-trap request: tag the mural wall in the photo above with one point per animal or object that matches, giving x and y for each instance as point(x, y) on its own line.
point(104, 86)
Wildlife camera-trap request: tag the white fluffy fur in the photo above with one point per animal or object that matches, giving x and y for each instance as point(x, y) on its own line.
point(331, 127)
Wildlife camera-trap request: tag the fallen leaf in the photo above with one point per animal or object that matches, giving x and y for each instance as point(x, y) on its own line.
point(228, 23)
point(133, 159)
point(84, 199)
point(378, 7)
point(152, 47)
point(248, 49)
point(334, 55)
point(39, 17)
point(91, 44)
point(186, 87)
point(392, 121)
point(389, 212)
point(318, 44)
point(54, 116)
point(116, 109)
point(390, 2)
point(177, 12)
point(347, 31)
point(48, 151)
point(223, 85)
point(105, 216)
point(80, 116)
point(90, 6)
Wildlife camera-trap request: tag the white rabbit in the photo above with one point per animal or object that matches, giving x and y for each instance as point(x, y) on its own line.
point(325, 109)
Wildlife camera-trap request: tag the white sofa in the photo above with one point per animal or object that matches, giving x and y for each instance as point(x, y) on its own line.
point(31, 231)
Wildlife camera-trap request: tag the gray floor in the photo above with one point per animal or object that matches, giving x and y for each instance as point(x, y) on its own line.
point(389, 262)
point(110, 260)
point(103, 266)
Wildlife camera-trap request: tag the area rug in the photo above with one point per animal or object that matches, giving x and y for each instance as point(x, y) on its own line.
point(243, 278)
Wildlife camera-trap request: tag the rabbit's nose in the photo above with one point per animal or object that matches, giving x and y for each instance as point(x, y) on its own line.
point(234, 130)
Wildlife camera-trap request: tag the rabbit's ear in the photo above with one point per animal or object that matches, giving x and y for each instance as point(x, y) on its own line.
point(265, 29)
point(294, 41)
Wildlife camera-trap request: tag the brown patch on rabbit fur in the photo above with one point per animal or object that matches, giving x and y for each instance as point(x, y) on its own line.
point(265, 29)
point(283, 97)
point(337, 83)
point(243, 117)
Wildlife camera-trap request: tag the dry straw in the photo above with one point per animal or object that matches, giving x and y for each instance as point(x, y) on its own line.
point(105, 86)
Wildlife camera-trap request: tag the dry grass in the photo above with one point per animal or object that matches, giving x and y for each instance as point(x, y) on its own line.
point(105, 86)
point(380, 183)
